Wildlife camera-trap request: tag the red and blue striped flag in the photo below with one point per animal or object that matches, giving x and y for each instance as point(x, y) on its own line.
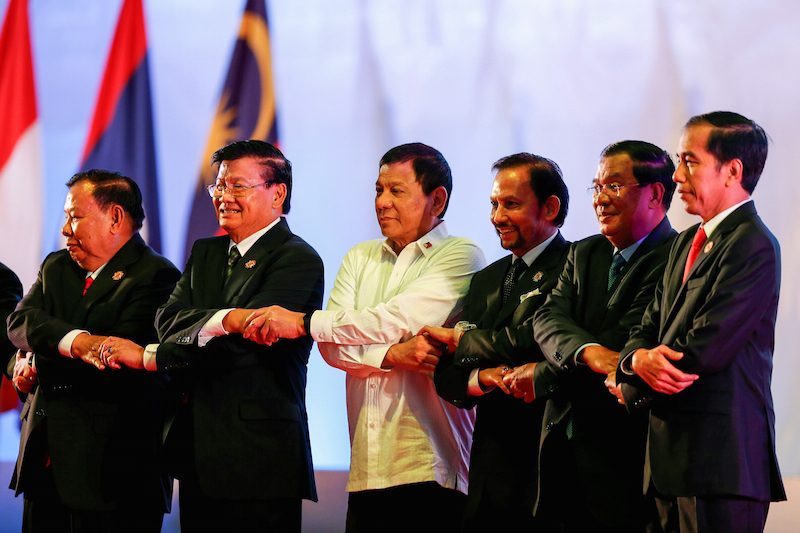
point(246, 110)
point(121, 136)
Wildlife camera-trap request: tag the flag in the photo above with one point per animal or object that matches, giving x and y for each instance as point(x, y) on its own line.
point(121, 136)
point(246, 110)
point(20, 159)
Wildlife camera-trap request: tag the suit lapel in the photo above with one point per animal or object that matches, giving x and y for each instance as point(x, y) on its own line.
point(536, 275)
point(677, 286)
point(110, 277)
point(255, 260)
point(657, 236)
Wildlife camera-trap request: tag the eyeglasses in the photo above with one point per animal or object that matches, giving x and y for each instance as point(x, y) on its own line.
point(237, 191)
point(612, 190)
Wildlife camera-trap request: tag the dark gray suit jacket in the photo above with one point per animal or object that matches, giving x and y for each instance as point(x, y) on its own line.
point(717, 437)
point(502, 469)
point(607, 445)
point(101, 430)
point(246, 401)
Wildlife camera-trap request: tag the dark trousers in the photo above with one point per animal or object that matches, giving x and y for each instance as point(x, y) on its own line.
point(45, 513)
point(199, 512)
point(690, 514)
point(415, 507)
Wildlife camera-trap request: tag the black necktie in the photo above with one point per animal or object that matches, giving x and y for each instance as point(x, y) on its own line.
point(233, 258)
point(616, 268)
point(511, 278)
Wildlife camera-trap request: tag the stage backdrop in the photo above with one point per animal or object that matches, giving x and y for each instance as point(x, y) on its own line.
point(477, 79)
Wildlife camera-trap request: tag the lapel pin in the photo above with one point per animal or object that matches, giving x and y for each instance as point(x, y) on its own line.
point(250, 264)
point(708, 247)
point(427, 244)
point(538, 276)
point(118, 275)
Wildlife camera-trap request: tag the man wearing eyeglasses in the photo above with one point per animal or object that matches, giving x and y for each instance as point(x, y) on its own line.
point(591, 451)
point(239, 443)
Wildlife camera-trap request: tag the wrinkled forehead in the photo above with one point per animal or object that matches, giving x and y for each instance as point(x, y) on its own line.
point(615, 169)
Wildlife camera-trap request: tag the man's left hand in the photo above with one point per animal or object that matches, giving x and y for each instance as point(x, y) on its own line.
point(613, 388)
point(444, 335)
point(270, 324)
point(520, 382)
point(25, 376)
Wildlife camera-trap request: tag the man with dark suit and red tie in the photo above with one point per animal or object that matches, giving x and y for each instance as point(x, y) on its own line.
point(591, 451)
point(90, 440)
point(701, 360)
point(529, 203)
point(239, 443)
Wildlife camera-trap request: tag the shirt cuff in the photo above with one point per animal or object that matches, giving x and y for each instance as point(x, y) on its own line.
point(625, 364)
point(65, 344)
point(322, 326)
point(149, 357)
point(474, 385)
point(580, 349)
point(212, 328)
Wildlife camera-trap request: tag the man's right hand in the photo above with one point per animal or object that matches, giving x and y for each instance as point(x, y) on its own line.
point(418, 354)
point(25, 376)
point(600, 359)
point(656, 369)
point(86, 347)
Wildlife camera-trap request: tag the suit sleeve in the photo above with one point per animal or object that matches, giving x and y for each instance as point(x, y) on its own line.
point(294, 281)
point(31, 327)
point(356, 340)
point(726, 305)
point(10, 294)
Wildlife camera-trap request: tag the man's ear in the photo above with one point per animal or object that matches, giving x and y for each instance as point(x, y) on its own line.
point(551, 208)
point(279, 196)
point(734, 172)
point(439, 195)
point(657, 192)
point(118, 218)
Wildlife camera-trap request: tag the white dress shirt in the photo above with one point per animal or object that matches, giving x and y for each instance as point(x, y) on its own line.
point(401, 432)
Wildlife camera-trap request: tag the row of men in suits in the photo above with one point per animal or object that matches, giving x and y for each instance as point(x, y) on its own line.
point(111, 414)
point(547, 324)
point(576, 330)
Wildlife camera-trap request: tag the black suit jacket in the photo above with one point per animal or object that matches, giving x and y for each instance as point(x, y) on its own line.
point(607, 445)
point(502, 468)
point(102, 429)
point(248, 423)
point(717, 437)
point(10, 294)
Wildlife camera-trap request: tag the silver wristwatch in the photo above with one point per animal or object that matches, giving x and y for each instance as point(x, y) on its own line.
point(460, 328)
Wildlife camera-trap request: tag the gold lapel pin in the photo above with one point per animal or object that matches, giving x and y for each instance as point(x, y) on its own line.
point(118, 275)
point(538, 276)
point(709, 246)
point(250, 264)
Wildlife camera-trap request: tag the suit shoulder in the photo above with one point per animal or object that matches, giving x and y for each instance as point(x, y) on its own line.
point(299, 245)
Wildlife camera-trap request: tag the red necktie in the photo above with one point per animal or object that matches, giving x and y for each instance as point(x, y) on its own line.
point(697, 243)
point(87, 284)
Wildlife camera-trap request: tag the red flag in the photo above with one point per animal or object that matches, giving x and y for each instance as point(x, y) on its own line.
point(20, 161)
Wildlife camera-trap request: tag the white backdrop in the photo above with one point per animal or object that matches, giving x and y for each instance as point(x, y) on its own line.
point(478, 79)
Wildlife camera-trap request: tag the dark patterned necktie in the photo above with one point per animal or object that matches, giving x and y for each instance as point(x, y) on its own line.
point(233, 258)
point(617, 263)
point(511, 278)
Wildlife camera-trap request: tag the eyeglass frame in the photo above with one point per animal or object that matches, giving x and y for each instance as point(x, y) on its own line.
point(240, 192)
point(596, 190)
